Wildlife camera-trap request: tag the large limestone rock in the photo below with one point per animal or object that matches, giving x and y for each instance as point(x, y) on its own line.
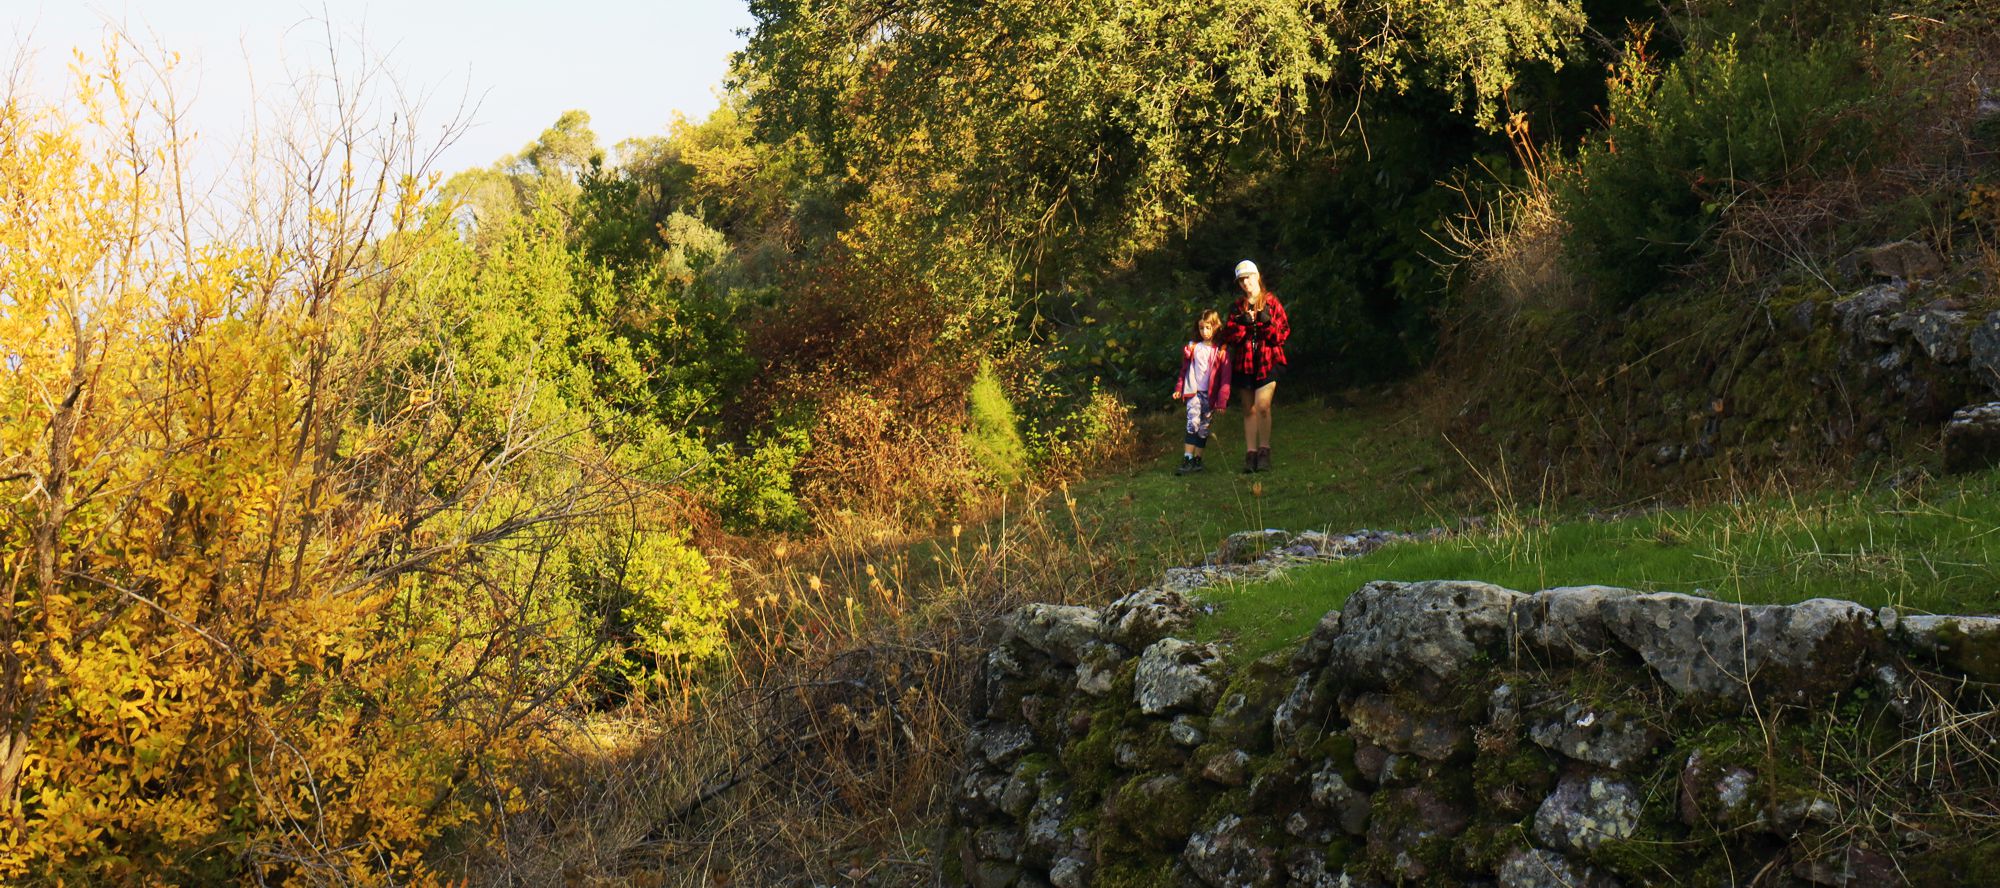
point(1425, 634)
point(1178, 675)
point(1567, 622)
point(1715, 649)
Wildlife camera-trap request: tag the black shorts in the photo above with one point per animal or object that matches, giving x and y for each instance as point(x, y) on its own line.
point(1253, 383)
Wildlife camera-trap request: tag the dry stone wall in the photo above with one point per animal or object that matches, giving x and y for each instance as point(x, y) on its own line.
point(1459, 733)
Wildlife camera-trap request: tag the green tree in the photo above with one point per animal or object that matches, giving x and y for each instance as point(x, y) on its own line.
point(1092, 127)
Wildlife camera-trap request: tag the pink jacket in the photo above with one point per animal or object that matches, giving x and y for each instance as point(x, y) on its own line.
point(1218, 381)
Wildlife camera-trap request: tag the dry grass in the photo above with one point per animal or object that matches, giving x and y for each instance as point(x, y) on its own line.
point(1509, 244)
point(827, 753)
point(1924, 789)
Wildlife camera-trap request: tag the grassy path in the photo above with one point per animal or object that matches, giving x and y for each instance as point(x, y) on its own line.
point(1932, 547)
point(1335, 469)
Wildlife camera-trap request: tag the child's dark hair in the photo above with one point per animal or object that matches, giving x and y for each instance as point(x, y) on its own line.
point(1202, 318)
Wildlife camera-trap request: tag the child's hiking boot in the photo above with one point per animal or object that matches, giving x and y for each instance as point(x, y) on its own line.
point(1263, 459)
point(1188, 464)
point(1197, 465)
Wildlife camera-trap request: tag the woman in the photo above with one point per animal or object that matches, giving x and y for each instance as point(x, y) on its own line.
point(1256, 332)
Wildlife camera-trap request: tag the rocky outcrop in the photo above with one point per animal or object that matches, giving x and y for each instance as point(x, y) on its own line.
point(1456, 732)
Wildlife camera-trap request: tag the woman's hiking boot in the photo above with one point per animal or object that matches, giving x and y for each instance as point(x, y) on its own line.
point(1263, 459)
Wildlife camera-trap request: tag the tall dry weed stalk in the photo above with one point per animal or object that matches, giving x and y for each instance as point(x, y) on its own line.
point(1507, 240)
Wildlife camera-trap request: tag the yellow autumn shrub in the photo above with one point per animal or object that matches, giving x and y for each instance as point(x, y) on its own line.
point(270, 613)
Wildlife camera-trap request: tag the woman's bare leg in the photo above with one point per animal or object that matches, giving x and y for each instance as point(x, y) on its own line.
point(1257, 425)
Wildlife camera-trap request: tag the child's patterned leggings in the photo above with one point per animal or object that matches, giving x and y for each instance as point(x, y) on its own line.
point(1199, 414)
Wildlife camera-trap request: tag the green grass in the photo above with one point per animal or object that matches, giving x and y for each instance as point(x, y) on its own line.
point(1934, 550)
point(1336, 468)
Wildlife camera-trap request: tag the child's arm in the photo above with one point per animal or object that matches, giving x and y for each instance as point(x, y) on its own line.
point(1235, 330)
point(1222, 371)
point(1180, 379)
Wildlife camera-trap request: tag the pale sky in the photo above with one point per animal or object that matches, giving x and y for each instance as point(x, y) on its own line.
point(630, 63)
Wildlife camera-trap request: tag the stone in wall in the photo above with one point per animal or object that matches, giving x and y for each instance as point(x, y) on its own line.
point(1597, 734)
point(1903, 260)
point(1587, 810)
point(1565, 624)
point(1176, 675)
point(1410, 832)
point(1972, 438)
point(1063, 632)
point(1983, 346)
point(1398, 725)
point(1230, 855)
point(1420, 636)
point(1720, 650)
point(1967, 645)
point(1541, 868)
point(1146, 616)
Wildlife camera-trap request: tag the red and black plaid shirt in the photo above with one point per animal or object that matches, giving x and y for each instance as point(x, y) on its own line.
point(1256, 344)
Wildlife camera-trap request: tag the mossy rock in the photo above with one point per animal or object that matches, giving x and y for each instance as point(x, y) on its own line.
point(1976, 655)
point(1151, 811)
point(1135, 872)
point(1512, 784)
point(1411, 833)
point(1482, 846)
point(1242, 717)
point(1092, 758)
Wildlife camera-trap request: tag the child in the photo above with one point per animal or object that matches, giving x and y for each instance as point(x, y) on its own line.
point(1204, 384)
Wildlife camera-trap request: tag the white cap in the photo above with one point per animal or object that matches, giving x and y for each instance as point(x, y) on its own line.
point(1245, 268)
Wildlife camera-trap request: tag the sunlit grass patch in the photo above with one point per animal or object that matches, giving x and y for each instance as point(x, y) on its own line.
point(1333, 467)
point(1934, 549)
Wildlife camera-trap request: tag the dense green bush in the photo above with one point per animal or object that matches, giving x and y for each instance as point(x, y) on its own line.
point(992, 433)
point(1736, 119)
